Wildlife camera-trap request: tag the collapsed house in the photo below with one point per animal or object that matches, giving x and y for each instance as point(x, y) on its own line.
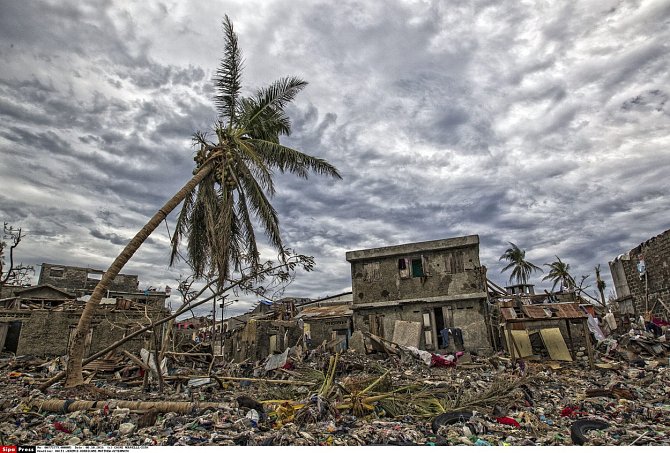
point(529, 325)
point(269, 328)
point(328, 321)
point(40, 320)
point(429, 295)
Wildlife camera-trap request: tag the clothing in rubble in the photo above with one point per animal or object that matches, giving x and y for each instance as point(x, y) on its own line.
point(456, 334)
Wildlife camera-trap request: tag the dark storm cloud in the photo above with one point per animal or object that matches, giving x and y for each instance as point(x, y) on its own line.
point(545, 126)
point(111, 237)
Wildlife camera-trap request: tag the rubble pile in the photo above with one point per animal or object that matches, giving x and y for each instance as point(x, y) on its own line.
point(319, 398)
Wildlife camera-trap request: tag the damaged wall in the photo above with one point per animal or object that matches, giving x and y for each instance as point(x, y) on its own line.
point(435, 268)
point(46, 333)
point(323, 329)
point(260, 338)
point(75, 279)
point(469, 316)
point(654, 284)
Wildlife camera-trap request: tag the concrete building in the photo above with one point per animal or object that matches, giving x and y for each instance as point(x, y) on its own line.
point(40, 320)
point(418, 293)
point(641, 278)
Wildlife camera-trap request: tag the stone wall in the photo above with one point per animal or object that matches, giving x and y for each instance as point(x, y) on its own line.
point(656, 255)
point(46, 333)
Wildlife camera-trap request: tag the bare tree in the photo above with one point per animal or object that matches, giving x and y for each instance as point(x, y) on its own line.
point(14, 274)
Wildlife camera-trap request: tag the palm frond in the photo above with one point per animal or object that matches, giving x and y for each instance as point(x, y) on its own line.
point(263, 210)
point(182, 225)
point(228, 76)
point(271, 100)
point(287, 159)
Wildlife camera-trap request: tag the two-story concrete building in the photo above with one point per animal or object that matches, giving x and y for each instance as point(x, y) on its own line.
point(435, 292)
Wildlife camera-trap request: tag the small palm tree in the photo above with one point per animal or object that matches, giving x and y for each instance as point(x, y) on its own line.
point(232, 180)
point(559, 273)
point(516, 259)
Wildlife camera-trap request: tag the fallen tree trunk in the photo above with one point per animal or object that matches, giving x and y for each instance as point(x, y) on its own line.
point(231, 378)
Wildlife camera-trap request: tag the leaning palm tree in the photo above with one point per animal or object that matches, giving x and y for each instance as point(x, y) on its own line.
point(231, 185)
point(559, 273)
point(516, 259)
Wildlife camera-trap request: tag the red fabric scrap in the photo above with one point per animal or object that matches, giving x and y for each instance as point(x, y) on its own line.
point(440, 362)
point(61, 427)
point(508, 421)
point(572, 411)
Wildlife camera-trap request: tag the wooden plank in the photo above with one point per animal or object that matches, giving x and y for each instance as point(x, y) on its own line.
point(136, 360)
point(587, 337)
point(4, 327)
point(522, 342)
point(555, 344)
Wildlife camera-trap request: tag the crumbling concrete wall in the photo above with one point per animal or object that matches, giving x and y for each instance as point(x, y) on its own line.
point(75, 279)
point(656, 255)
point(448, 267)
point(259, 338)
point(469, 316)
point(46, 333)
point(322, 329)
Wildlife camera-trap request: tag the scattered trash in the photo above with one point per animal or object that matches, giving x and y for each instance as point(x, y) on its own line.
point(391, 397)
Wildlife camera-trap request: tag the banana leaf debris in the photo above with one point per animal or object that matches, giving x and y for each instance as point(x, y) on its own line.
point(393, 396)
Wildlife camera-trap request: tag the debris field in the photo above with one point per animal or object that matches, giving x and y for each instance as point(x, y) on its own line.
point(323, 398)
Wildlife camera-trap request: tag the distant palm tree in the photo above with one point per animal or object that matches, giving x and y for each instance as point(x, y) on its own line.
point(516, 259)
point(232, 180)
point(559, 273)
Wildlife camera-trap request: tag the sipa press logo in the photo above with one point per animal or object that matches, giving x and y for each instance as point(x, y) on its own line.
point(22, 449)
point(8, 448)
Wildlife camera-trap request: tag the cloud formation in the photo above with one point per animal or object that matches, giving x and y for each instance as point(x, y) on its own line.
point(545, 125)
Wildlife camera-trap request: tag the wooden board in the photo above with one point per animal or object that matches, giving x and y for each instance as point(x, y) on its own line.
point(555, 344)
point(522, 341)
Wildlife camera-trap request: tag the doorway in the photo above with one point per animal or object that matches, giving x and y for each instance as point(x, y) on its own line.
point(439, 327)
point(11, 336)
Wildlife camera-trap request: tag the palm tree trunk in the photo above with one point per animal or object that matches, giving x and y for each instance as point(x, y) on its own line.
point(74, 375)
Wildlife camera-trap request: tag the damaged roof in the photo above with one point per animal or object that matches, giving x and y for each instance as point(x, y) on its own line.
point(333, 311)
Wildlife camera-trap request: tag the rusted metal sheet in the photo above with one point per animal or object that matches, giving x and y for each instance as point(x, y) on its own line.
point(536, 311)
point(508, 313)
point(568, 310)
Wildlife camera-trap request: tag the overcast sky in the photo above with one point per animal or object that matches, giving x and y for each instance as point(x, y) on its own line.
point(541, 123)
